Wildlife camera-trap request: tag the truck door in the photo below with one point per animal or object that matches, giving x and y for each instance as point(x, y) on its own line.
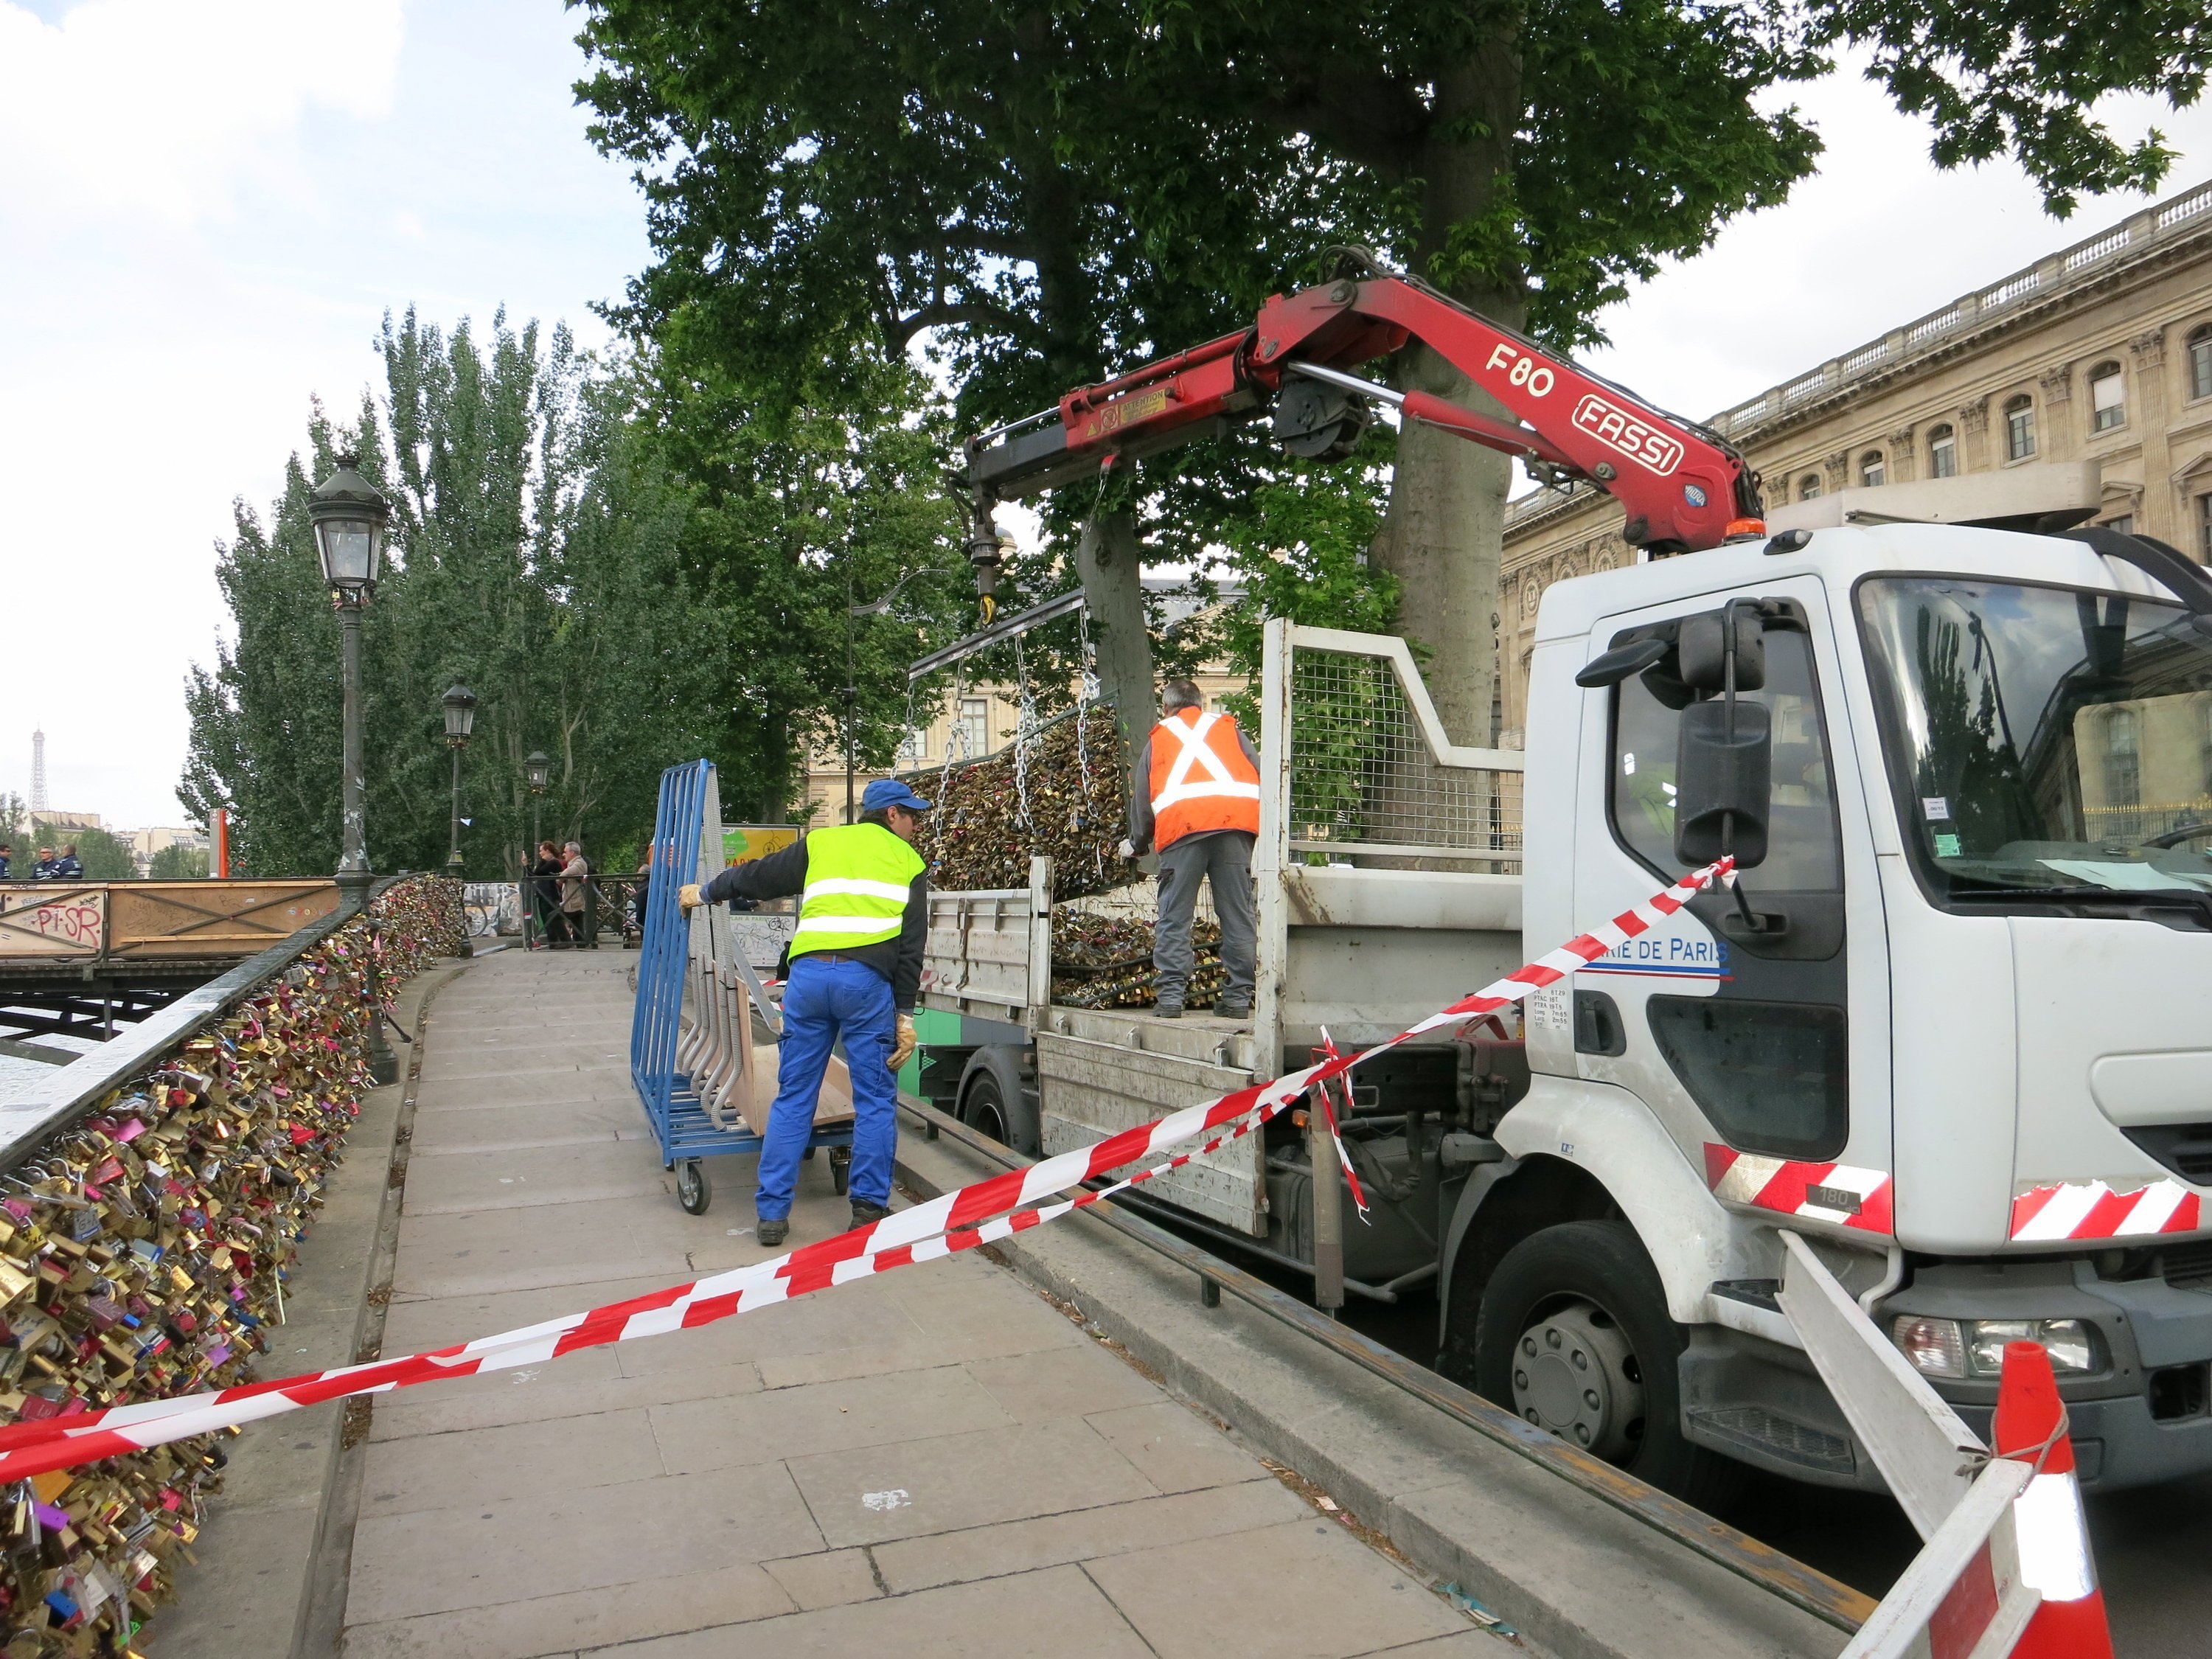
point(1744, 1037)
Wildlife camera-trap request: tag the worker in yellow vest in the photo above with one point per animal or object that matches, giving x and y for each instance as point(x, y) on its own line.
point(1197, 798)
point(855, 969)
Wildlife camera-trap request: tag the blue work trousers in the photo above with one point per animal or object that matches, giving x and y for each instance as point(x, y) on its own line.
point(823, 1001)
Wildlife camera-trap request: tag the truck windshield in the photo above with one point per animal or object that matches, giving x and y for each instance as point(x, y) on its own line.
point(2043, 740)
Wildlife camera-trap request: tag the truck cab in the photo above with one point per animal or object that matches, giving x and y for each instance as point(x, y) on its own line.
point(1949, 1023)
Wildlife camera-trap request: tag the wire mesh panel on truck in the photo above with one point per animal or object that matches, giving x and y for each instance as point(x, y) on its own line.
point(695, 1076)
point(1372, 772)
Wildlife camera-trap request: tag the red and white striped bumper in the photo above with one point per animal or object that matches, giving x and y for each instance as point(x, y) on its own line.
point(2091, 1209)
point(1837, 1192)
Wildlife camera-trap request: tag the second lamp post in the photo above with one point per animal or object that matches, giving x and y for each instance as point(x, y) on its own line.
point(460, 716)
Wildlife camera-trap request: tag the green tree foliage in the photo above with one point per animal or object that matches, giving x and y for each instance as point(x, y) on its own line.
point(534, 551)
point(178, 862)
point(630, 567)
point(13, 822)
point(797, 511)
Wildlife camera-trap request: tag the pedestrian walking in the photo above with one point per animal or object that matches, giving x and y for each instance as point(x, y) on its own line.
point(575, 895)
point(1197, 795)
point(855, 968)
point(640, 896)
point(546, 895)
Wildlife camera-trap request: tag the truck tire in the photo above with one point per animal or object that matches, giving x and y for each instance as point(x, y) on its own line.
point(1573, 1335)
point(995, 1099)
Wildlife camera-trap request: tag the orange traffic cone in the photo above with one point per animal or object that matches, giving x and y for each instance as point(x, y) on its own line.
point(2054, 1538)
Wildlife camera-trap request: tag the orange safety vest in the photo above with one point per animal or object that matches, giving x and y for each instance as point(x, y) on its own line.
point(1200, 779)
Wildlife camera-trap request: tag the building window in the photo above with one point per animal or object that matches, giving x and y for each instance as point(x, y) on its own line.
point(1809, 486)
point(2125, 524)
point(2122, 760)
point(1942, 453)
point(1870, 468)
point(913, 748)
point(972, 730)
point(2108, 398)
point(2200, 362)
point(2204, 528)
point(2020, 429)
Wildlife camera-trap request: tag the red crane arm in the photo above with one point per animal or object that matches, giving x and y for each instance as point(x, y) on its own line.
point(1684, 489)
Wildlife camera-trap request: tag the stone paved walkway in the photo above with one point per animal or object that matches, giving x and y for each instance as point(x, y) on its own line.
point(933, 1461)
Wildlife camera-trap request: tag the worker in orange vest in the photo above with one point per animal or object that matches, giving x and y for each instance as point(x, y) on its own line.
point(1197, 797)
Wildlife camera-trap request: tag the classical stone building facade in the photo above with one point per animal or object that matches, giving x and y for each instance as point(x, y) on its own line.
point(2101, 352)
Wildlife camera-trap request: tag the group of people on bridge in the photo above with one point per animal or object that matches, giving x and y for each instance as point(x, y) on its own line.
point(66, 867)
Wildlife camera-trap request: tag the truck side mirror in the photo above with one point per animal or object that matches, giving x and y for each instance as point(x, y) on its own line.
point(1701, 650)
point(1723, 766)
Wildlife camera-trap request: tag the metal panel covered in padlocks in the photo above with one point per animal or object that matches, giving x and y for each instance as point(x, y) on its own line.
point(703, 1073)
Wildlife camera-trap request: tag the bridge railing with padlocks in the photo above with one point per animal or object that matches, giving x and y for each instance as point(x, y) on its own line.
point(152, 1195)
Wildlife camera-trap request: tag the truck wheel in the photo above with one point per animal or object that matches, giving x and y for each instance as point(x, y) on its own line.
point(1573, 1335)
point(994, 1100)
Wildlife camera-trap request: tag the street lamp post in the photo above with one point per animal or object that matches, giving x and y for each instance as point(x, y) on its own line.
point(539, 770)
point(852, 696)
point(348, 514)
point(460, 716)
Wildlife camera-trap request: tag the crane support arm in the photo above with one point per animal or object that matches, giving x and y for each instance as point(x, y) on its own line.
point(1683, 488)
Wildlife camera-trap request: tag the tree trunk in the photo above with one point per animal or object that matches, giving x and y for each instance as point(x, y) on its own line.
point(1443, 536)
point(1109, 560)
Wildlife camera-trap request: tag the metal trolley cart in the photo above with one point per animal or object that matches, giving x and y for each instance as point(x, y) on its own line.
point(703, 1078)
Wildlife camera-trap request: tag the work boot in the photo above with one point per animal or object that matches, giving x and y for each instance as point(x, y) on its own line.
point(772, 1231)
point(1167, 1010)
point(866, 1214)
point(1226, 1009)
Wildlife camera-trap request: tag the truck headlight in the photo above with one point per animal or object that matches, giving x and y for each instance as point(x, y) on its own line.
point(1958, 1349)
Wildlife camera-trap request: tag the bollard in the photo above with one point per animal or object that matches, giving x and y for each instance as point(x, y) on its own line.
point(2054, 1538)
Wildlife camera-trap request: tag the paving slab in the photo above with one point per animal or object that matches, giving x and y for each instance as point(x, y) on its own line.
point(539, 1627)
point(873, 1495)
point(523, 1178)
point(467, 1133)
point(482, 1553)
point(698, 1435)
point(1087, 1535)
point(461, 1094)
point(1329, 1597)
point(1056, 1611)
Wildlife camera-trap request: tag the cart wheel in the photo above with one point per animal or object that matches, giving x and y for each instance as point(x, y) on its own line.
point(692, 1191)
point(840, 1169)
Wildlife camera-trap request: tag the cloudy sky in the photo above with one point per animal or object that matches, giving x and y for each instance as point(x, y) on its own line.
point(207, 205)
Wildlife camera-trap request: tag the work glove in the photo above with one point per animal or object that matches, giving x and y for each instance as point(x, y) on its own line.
point(903, 1045)
point(1127, 849)
point(689, 896)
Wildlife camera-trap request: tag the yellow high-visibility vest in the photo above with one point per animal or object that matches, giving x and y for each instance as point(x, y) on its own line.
point(858, 877)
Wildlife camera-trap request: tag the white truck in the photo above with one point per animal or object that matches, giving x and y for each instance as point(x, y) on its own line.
point(1951, 1025)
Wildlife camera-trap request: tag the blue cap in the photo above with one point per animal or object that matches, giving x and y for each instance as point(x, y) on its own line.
point(890, 791)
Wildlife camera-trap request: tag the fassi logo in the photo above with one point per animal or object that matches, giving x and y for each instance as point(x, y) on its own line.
point(1611, 424)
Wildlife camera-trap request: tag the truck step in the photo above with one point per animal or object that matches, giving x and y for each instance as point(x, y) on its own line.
point(1757, 1428)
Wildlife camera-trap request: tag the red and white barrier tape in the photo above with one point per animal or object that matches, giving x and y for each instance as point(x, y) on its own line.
point(1335, 1136)
point(956, 1221)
